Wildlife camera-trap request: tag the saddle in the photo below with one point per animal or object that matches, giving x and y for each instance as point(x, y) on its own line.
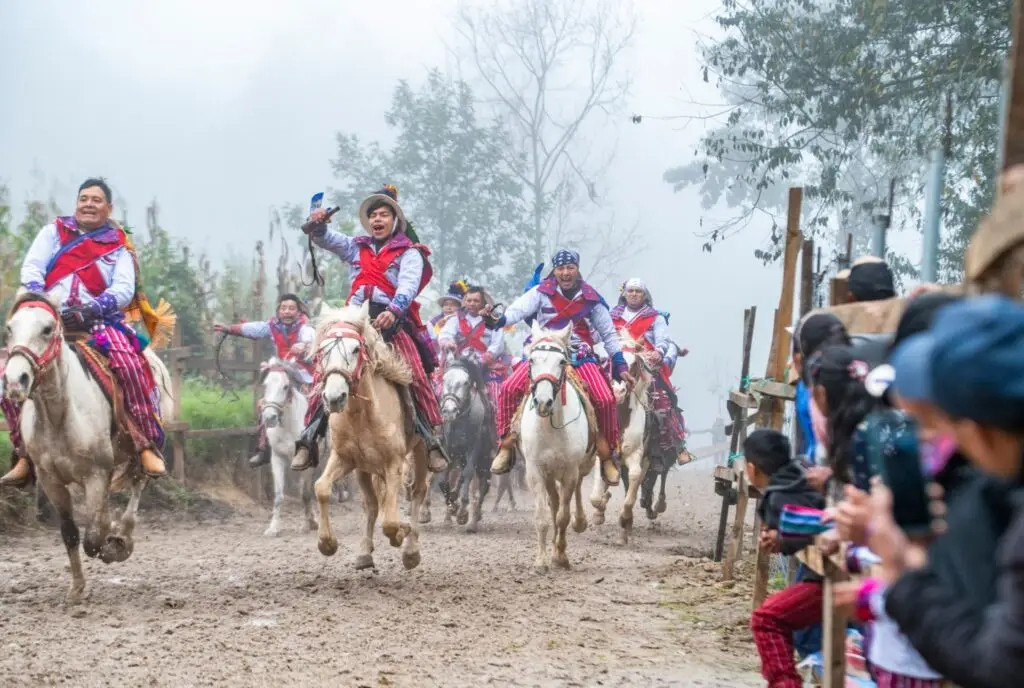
point(97, 365)
point(572, 378)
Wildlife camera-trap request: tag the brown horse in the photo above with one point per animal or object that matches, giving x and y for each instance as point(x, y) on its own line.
point(365, 389)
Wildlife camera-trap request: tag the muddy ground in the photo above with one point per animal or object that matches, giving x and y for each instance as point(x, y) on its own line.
point(214, 603)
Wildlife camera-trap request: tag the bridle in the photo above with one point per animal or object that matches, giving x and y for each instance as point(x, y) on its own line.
point(40, 363)
point(278, 405)
point(557, 381)
point(332, 339)
point(461, 404)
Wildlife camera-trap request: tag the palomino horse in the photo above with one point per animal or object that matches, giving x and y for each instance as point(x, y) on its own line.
point(468, 437)
point(555, 443)
point(65, 426)
point(634, 414)
point(283, 408)
point(365, 389)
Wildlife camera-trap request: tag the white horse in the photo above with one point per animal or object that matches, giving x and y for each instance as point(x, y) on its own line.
point(365, 389)
point(65, 426)
point(555, 442)
point(283, 411)
point(633, 409)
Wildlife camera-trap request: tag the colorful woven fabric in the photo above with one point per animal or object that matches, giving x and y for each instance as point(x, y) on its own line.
point(802, 521)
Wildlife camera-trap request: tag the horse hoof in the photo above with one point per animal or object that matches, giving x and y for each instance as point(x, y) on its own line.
point(462, 519)
point(660, 506)
point(540, 568)
point(272, 531)
point(651, 515)
point(116, 548)
point(363, 562)
point(425, 517)
point(327, 546)
point(92, 546)
point(561, 561)
point(410, 560)
point(598, 518)
point(76, 596)
point(580, 525)
point(626, 521)
point(473, 527)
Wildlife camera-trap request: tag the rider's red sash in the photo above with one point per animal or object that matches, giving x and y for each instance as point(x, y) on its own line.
point(472, 337)
point(637, 328)
point(373, 268)
point(80, 253)
point(284, 338)
point(572, 310)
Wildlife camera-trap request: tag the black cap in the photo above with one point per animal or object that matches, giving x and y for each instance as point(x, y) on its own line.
point(871, 282)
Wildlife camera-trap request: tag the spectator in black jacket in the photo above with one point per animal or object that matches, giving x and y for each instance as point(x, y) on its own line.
point(971, 365)
point(783, 482)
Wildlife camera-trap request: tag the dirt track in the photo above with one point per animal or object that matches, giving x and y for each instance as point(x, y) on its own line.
point(202, 604)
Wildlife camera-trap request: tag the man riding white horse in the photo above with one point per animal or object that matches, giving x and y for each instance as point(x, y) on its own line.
point(85, 264)
point(636, 318)
point(292, 335)
point(389, 269)
point(466, 333)
point(561, 299)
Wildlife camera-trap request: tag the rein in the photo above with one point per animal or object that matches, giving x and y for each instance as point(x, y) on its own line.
point(41, 363)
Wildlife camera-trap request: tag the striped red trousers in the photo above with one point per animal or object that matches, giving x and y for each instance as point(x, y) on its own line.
point(773, 624)
point(141, 398)
point(422, 389)
point(516, 386)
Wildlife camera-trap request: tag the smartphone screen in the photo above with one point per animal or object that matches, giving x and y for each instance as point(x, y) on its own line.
point(895, 454)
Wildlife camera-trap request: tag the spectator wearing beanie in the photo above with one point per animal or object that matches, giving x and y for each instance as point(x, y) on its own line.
point(971, 366)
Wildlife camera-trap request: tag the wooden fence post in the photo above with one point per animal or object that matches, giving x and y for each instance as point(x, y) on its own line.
point(773, 407)
point(177, 435)
point(736, 438)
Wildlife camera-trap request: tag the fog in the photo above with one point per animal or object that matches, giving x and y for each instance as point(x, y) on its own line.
point(220, 110)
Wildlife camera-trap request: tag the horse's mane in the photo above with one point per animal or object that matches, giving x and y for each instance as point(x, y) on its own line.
point(380, 356)
point(290, 367)
point(473, 369)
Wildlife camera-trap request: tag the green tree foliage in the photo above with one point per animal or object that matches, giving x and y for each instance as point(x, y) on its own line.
point(169, 271)
point(453, 181)
point(842, 96)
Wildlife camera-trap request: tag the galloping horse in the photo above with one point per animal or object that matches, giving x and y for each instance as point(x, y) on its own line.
point(634, 420)
point(556, 443)
point(283, 408)
point(365, 389)
point(66, 428)
point(468, 437)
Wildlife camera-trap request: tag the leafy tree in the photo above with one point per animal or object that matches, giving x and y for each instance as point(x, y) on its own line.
point(550, 68)
point(453, 182)
point(843, 96)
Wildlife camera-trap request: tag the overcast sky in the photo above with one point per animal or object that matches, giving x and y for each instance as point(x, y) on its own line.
point(222, 109)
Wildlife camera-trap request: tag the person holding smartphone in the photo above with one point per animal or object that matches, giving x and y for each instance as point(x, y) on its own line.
point(968, 370)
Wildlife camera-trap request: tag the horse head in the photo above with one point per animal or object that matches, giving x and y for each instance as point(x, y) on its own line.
point(461, 376)
point(34, 341)
point(280, 380)
point(639, 370)
point(343, 339)
point(549, 361)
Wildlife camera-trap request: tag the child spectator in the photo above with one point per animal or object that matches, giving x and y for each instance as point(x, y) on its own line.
point(783, 482)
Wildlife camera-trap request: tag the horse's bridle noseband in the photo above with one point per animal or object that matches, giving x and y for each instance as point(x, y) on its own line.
point(40, 363)
point(557, 381)
point(334, 336)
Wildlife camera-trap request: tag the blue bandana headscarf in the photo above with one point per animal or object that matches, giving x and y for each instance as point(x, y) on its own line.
point(565, 257)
